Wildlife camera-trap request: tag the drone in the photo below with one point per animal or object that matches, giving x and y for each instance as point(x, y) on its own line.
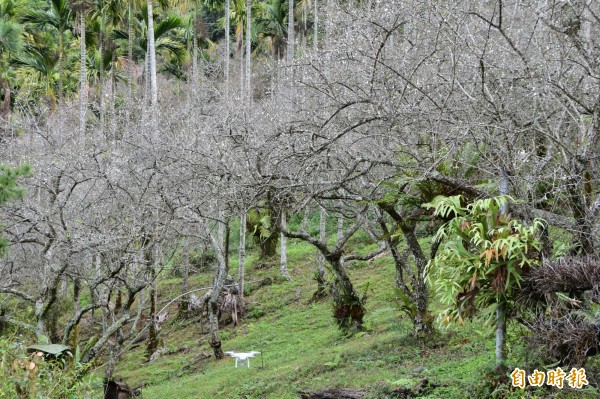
point(242, 357)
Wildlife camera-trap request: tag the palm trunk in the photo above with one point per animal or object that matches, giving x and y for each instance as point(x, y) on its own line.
point(227, 49)
point(152, 61)
point(304, 28)
point(82, 82)
point(248, 50)
point(130, 49)
point(101, 72)
point(195, 47)
point(113, 89)
point(60, 66)
point(290, 33)
point(146, 79)
point(328, 23)
point(242, 86)
point(316, 28)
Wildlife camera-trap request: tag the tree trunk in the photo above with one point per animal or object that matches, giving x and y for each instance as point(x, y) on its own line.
point(413, 285)
point(152, 61)
point(248, 50)
point(283, 256)
point(328, 23)
point(146, 78)
point(76, 309)
point(152, 344)
point(242, 252)
point(213, 325)
point(423, 320)
point(290, 32)
point(195, 47)
point(501, 309)
point(242, 86)
point(583, 235)
point(41, 333)
point(113, 89)
point(340, 226)
point(348, 308)
point(111, 364)
point(321, 261)
point(213, 318)
point(268, 243)
point(399, 262)
point(61, 40)
point(316, 28)
point(226, 244)
point(101, 291)
point(130, 51)
point(5, 112)
point(184, 303)
point(82, 82)
point(221, 229)
point(227, 49)
point(2, 322)
point(500, 333)
point(101, 71)
point(105, 337)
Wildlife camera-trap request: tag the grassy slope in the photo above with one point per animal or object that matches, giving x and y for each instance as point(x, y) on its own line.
point(302, 349)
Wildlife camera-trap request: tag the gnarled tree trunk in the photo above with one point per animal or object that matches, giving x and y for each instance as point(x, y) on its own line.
point(213, 305)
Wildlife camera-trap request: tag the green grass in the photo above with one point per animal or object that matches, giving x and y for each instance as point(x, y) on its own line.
point(302, 350)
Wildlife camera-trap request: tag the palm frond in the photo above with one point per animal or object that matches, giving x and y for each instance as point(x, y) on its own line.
point(10, 37)
point(167, 25)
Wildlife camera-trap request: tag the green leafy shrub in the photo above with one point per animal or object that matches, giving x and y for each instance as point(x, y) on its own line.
point(34, 375)
point(482, 257)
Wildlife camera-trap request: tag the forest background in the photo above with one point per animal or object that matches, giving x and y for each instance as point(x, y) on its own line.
point(459, 139)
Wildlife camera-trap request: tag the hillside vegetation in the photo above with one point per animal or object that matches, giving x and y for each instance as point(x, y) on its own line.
point(385, 198)
point(303, 350)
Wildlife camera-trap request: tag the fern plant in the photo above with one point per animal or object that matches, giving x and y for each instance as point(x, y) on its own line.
point(483, 256)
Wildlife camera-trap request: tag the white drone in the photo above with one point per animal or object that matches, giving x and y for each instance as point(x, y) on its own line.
point(242, 357)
